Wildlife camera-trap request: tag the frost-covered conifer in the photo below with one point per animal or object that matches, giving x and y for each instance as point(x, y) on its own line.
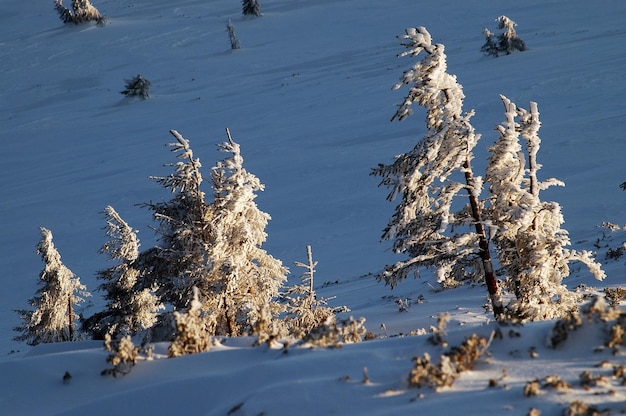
point(530, 242)
point(244, 277)
point(251, 7)
point(180, 261)
point(429, 177)
point(82, 11)
point(131, 307)
point(54, 316)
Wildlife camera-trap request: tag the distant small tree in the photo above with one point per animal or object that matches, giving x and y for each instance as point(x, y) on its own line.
point(530, 242)
point(304, 310)
point(251, 7)
point(54, 316)
point(180, 262)
point(234, 42)
point(507, 42)
point(137, 87)
point(424, 225)
point(130, 308)
point(82, 11)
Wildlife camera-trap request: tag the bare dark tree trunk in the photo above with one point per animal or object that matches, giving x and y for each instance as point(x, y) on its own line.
point(483, 243)
point(71, 316)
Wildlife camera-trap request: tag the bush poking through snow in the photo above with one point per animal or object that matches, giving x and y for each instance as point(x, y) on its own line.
point(251, 8)
point(507, 42)
point(450, 366)
point(137, 87)
point(334, 334)
point(123, 355)
point(192, 334)
point(82, 11)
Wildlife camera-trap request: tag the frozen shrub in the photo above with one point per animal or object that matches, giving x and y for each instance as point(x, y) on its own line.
point(507, 42)
point(192, 334)
point(462, 358)
point(123, 355)
point(82, 11)
point(334, 334)
point(137, 87)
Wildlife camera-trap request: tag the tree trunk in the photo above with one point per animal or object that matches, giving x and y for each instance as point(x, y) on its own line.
point(71, 316)
point(483, 243)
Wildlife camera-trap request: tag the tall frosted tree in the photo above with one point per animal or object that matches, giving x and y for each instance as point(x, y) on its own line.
point(530, 240)
point(60, 291)
point(131, 307)
point(180, 261)
point(247, 279)
point(430, 177)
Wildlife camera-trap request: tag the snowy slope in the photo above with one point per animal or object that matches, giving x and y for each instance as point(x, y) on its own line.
point(309, 99)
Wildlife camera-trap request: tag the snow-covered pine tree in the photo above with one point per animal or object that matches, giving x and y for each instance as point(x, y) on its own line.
point(180, 261)
point(245, 278)
point(251, 7)
point(529, 239)
point(54, 316)
point(131, 307)
point(423, 225)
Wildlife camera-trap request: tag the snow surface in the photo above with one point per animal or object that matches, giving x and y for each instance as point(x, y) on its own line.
point(308, 97)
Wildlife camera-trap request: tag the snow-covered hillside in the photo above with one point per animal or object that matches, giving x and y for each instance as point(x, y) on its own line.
point(308, 97)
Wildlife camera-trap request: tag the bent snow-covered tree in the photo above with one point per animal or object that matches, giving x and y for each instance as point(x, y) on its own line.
point(54, 316)
point(530, 242)
point(131, 307)
point(429, 177)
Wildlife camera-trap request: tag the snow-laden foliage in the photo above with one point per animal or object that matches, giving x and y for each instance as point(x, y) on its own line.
point(244, 277)
point(130, 307)
point(180, 262)
point(82, 11)
point(429, 177)
point(527, 232)
point(192, 330)
point(214, 247)
point(507, 42)
point(53, 318)
point(124, 355)
point(251, 8)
